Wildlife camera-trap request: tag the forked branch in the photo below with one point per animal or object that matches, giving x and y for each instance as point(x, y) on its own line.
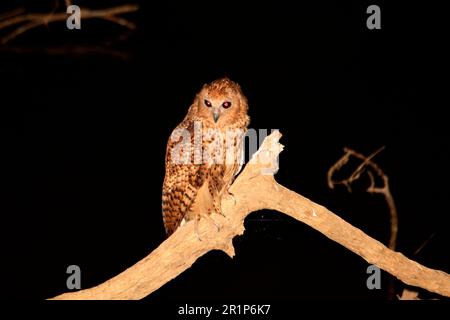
point(251, 192)
point(372, 169)
point(20, 21)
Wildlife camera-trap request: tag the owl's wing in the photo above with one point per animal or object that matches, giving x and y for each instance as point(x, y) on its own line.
point(181, 183)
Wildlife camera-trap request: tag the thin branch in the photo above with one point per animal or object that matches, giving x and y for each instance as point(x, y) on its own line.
point(335, 167)
point(372, 168)
point(12, 13)
point(424, 244)
point(121, 21)
point(367, 165)
point(366, 161)
point(250, 191)
point(20, 30)
point(33, 20)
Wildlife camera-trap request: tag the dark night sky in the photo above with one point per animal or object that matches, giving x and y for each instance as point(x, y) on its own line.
point(84, 139)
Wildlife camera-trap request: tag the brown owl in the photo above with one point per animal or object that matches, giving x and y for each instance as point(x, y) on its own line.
point(204, 154)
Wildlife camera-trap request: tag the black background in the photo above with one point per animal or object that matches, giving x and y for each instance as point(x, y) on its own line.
point(84, 141)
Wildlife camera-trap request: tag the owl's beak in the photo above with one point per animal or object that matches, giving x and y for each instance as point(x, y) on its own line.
point(216, 115)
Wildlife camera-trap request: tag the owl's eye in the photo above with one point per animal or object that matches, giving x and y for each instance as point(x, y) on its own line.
point(226, 104)
point(208, 104)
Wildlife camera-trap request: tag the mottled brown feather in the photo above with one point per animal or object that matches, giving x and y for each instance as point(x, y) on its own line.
point(192, 190)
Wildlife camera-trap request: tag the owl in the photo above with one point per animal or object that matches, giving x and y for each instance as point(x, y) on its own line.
point(204, 154)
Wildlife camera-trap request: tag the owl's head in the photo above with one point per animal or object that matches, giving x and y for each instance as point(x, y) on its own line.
point(221, 103)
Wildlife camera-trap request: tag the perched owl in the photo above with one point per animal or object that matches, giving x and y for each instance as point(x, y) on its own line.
point(204, 154)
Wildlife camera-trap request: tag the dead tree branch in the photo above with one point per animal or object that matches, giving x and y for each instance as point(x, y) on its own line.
point(251, 190)
point(23, 22)
point(372, 169)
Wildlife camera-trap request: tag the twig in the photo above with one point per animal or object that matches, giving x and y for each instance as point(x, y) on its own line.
point(250, 191)
point(424, 244)
point(12, 13)
point(19, 31)
point(356, 174)
point(121, 21)
point(33, 20)
point(371, 168)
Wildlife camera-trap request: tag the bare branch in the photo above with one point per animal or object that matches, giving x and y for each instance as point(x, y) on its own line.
point(371, 168)
point(424, 244)
point(33, 20)
point(367, 165)
point(250, 191)
point(19, 31)
point(121, 21)
point(11, 14)
point(337, 166)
